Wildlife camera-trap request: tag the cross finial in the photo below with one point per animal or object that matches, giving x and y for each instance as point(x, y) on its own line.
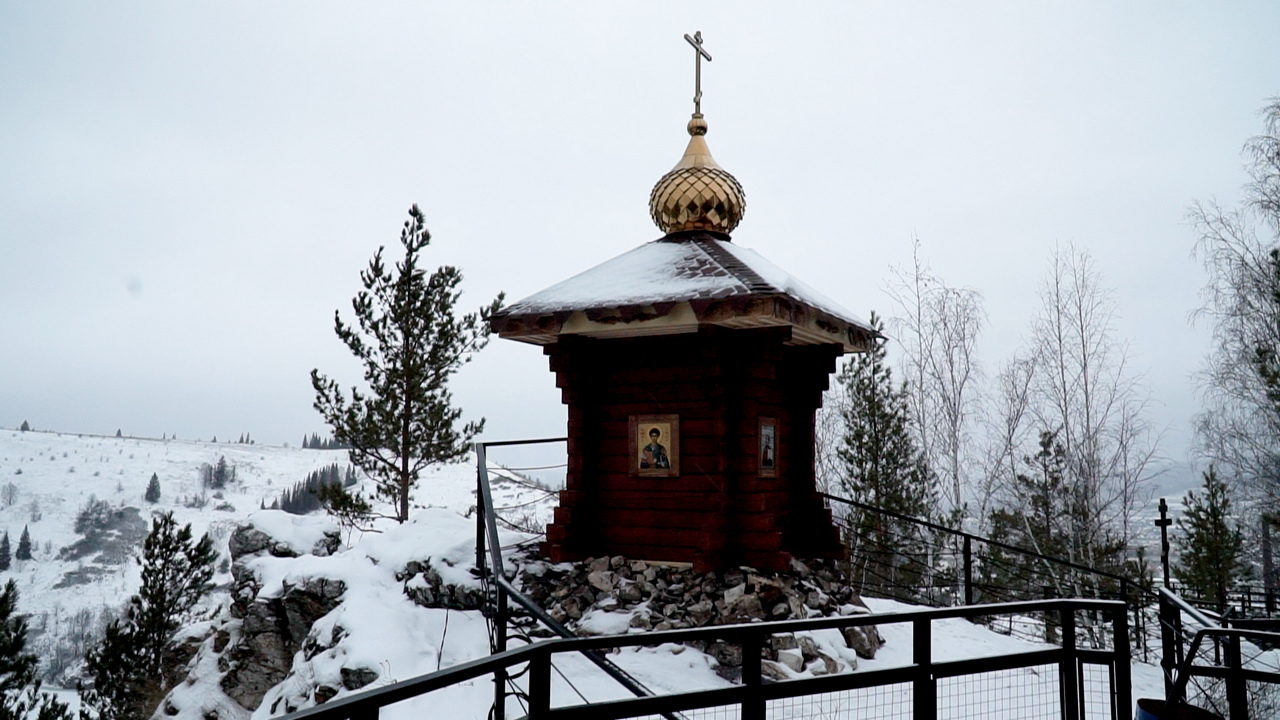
point(696, 42)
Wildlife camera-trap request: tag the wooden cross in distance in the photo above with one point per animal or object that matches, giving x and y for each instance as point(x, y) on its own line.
point(1163, 523)
point(696, 42)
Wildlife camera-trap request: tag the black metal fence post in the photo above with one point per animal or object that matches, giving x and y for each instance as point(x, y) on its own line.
point(539, 685)
point(1170, 642)
point(1237, 692)
point(1069, 666)
point(500, 640)
point(1122, 670)
point(753, 706)
point(480, 510)
point(1268, 565)
point(968, 571)
point(924, 695)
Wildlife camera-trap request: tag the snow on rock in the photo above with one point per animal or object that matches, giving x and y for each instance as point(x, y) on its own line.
point(285, 535)
point(310, 620)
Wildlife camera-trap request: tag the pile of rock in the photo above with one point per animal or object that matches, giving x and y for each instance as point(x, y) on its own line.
point(671, 596)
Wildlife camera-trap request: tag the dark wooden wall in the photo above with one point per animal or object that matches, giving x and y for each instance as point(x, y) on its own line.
point(719, 511)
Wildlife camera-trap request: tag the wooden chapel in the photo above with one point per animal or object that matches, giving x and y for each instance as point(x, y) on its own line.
point(692, 368)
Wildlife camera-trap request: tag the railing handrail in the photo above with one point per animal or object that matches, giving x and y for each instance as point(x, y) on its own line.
point(1188, 608)
point(359, 704)
point(538, 441)
point(362, 704)
point(507, 590)
point(490, 518)
point(1185, 668)
point(1233, 670)
point(996, 543)
point(834, 622)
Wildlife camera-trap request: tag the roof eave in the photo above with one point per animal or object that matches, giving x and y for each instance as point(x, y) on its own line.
point(811, 325)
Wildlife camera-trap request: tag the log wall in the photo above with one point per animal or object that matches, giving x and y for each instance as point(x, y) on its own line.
point(719, 511)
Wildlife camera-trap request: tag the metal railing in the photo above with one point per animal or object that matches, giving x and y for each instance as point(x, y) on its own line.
point(1069, 678)
point(498, 586)
point(1229, 672)
point(925, 680)
point(927, 563)
point(1247, 601)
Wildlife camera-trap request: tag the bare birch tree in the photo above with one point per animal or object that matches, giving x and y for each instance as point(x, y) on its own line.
point(828, 435)
point(1084, 392)
point(1007, 430)
point(1239, 427)
point(938, 326)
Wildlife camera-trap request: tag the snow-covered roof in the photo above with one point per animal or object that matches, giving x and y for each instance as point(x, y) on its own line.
point(694, 267)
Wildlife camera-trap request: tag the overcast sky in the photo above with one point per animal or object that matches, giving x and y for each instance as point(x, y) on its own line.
point(188, 191)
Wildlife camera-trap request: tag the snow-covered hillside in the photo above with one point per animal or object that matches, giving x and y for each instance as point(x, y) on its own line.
point(53, 475)
point(67, 586)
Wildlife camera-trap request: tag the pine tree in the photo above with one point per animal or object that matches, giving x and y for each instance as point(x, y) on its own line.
point(1031, 517)
point(883, 468)
point(221, 474)
point(20, 694)
point(5, 554)
point(24, 545)
point(131, 667)
point(176, 570)
point(1210, 547)
point(25, 426)
point(119, 688)
point(410, 341)
point(153, 489)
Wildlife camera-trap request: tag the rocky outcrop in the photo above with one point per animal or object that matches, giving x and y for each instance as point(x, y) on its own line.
point(272, 631)
point(251, 646)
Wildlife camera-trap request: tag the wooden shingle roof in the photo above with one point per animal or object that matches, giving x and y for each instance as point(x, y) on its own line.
point(674, 285)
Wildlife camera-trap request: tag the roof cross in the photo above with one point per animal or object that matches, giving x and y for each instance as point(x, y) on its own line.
point(696, 42)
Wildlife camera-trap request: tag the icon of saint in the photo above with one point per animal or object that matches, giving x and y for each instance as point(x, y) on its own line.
point(654, 455)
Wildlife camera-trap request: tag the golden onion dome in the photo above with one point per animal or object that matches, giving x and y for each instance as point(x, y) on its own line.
point(697, 194)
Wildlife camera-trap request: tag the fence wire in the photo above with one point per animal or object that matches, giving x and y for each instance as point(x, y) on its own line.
point(1096, 687)
point(1030, 693)
point(884, 702)
point(922, 563)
